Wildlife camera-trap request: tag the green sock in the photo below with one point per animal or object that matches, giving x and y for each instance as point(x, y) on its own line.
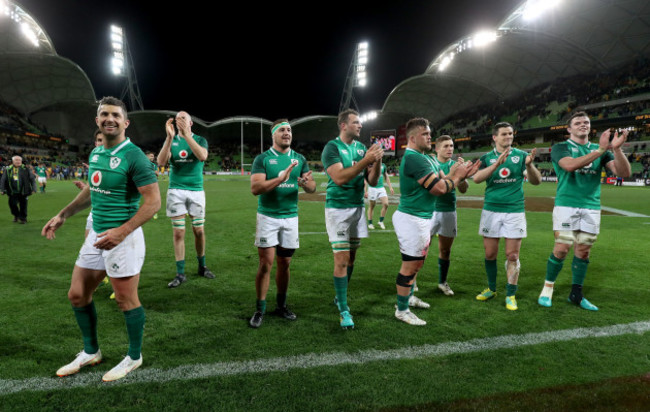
point(511, 290)
point(553, 268)
point(281, 300)
point(180, 267)
point(491, 270)
point(87, 321)
point(443, 269)
point(370, 221)
point(381, 219)
point(135, 329)
point(201, 260)
point(402, 302)
point(261, 305)
point(579, 270)
point(341, 288)
point(350, 269)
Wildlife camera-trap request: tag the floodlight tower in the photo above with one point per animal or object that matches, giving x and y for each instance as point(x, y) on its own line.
point(122, 66)
point(356, 76)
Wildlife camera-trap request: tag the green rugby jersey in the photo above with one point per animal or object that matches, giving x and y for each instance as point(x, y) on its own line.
point(446, 202)
point(350, 194)
point(380, 181)
point(504, 190)
point(281, 202)
point(114, 176)
point(40, 171)
point(416, 200)
point(580, 188)
point(185, 171)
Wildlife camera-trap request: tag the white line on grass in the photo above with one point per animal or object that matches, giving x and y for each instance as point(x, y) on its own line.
point(314, 360)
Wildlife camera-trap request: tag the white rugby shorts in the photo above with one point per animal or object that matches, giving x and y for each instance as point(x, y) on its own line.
point(445, 224)
point(502, 225)
point(346, 224)
point(573, 218)
point(272, 232)
point(180, 202)
point(124, 260)
point(413, 233)
point(375, 193)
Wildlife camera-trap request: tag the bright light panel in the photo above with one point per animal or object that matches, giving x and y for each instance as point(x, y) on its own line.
point(535, 8)
point(484, 38)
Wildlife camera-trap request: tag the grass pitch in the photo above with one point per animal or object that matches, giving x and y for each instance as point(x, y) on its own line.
point(200, 354)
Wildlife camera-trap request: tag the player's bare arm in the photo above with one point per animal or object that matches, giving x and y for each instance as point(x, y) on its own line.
point(307, 182)
point(165, 152)
point(341, 175)
point(390, 186)
point(533, 174)
point(260, 185)
point(620, 166)
point(437, 185)
point(80, 202)
point(373, 174)
point(572, 164)
point(482, 175)
point(150, 205)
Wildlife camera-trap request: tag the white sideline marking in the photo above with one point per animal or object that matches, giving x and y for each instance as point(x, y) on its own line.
point(622, 212)
point(313, 360)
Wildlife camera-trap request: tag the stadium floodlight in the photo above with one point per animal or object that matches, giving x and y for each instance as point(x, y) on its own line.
point(357, 75)
point(368, 116)
point(117, 45)
point(122, 66)
point(483, 38)
point(535, 8)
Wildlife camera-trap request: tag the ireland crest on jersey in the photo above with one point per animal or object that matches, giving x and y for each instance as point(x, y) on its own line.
point(115, 162)
point(515, 159)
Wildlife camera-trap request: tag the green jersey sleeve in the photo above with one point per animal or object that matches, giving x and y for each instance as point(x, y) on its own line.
point(140, 168)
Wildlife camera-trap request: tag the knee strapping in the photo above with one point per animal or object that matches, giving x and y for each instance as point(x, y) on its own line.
point(565, 236)
point(403, 280)
point(198, 222)
point(178, 223)
point(584, 238)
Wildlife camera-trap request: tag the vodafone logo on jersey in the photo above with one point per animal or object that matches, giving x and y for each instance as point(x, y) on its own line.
point(96, 178)
point(183, 154)
point(505, 172)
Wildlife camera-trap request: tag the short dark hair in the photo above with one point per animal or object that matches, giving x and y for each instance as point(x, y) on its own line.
point(112, 101)
point(414, 123)
point(574, 115)
point(500, 125)
point(344, 116)
point(97, 131)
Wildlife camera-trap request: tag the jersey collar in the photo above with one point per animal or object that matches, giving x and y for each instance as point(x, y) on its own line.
point(120, 146)
point(289, 153)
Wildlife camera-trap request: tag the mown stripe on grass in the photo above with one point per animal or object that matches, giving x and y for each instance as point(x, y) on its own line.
point(313, 360)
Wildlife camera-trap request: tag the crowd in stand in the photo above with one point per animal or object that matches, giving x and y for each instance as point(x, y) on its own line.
point(570, 92)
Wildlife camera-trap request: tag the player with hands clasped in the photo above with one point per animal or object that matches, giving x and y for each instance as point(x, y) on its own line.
point(503, 216)
point(276, 176)
point(421, 183)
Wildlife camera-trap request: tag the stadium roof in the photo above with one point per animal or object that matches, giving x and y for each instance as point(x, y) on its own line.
point(538, 42)
point(32, 75)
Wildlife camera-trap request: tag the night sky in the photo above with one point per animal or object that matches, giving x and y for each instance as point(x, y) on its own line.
point(260, 60)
